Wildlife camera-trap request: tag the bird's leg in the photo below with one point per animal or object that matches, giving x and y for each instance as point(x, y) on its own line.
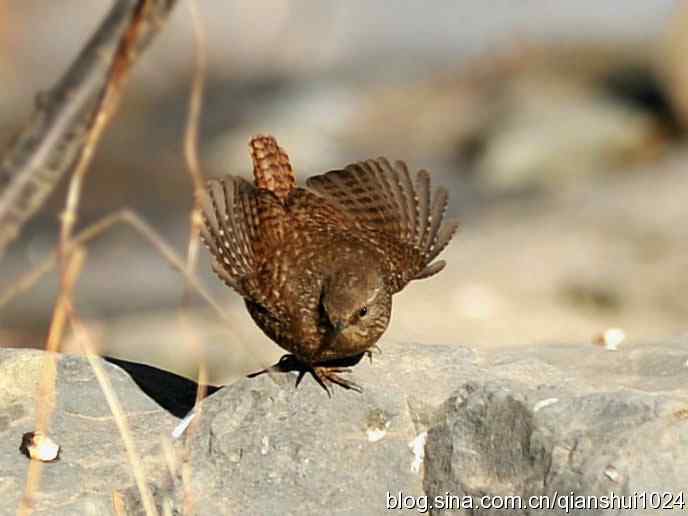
point(326, 376)
point(325, 373)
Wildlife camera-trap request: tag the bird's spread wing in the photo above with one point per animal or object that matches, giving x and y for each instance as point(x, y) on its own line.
point(245, 226)
point(241, 223)
point(382, 196)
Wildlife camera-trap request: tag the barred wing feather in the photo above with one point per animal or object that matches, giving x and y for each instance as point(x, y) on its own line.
point(383, 196)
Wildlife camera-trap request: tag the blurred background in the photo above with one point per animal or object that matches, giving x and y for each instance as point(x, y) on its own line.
point(558, 128)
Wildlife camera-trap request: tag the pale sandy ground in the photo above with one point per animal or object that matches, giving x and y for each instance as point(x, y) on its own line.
point(608, 254)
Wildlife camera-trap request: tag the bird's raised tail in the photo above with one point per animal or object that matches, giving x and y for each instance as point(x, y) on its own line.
point(271, 167)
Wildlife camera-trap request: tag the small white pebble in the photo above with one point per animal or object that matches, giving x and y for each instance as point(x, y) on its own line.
point(265, 445)
point(375, 434)
point(545, 403)
point(418, 449)
point(612, 474)
point(39, 446)
point(611, 339)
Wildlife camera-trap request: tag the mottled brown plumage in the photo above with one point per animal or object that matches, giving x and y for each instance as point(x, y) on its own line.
point(317, 267)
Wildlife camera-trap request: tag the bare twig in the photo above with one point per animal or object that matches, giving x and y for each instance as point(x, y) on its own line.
point(45, 403)
point(196, 97)
point(45, 395)
point(193, 163)
point(131, 219)
point(118, 504)
point(107, 104)
point(191, 135)
point(104, 109)
point(116, 408)
point(74, 262)
point(57, 131)
point(191, 138)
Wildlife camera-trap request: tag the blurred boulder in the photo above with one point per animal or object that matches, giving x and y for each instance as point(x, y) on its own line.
point(527, 115)
point(552, 134)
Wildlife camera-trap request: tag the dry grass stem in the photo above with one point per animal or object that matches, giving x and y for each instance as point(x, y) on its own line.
point(45, 396)
point(169, 455)
point(191, 139)
point(57, 131)
point(76, 257)
point(118, 505)
point(131, 219)
point(120, 418)
point(108, 103)
point(191, 134)
point(193, 164)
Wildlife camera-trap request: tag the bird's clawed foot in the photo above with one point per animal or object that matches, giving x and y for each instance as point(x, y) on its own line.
point(326, 374)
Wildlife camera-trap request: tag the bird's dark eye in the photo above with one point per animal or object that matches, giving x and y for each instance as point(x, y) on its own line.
point(363, 311)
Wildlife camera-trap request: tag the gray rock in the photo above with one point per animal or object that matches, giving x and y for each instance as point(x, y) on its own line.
point(93, 465)
point(481, 425)
point(500, 439)
point(618, 423)
point(262, 447)
point(432, 421)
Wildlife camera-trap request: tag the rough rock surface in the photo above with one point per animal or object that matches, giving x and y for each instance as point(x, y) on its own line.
point(432, 420)
point(491, 425)
point(93, 468)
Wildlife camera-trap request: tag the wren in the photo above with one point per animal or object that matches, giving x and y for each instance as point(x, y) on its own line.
point(318, 266)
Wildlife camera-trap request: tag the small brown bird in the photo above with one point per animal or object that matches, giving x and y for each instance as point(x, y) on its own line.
point(317, 267)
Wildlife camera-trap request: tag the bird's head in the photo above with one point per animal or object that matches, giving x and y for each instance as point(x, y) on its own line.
point(357, 305)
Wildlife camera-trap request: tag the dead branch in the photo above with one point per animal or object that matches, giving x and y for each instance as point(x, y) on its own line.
point(120, 418)
point(196, 98)
point(58, 129)
point(194, 169)
point(107, 104)
point(191, 136)
point(126, 217)
point(45, 402)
